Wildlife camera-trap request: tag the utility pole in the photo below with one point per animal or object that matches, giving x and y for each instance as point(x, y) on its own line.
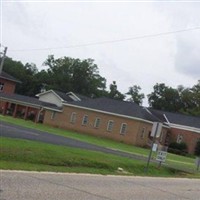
point(2, 58)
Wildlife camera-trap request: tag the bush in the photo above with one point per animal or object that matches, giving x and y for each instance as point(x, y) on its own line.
point(178, 148)
point(197, 148)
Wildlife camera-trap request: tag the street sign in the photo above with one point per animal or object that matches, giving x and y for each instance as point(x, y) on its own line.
point(161, 156)
point(197, 162)
point(156, 129)
point(154, 148)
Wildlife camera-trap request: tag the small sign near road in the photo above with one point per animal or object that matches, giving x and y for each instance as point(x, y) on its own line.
point(197, 162)
point(161, 156)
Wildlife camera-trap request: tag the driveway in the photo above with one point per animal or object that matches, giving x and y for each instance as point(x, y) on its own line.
point(14, 131)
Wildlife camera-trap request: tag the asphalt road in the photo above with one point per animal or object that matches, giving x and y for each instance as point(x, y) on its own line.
point(53, 186)
point(14, 131)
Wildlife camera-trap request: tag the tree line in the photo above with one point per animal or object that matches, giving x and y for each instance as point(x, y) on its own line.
point(82, 76)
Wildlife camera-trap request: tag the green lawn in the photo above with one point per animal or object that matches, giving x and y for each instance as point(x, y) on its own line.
point(175, 161)
point(28, 155)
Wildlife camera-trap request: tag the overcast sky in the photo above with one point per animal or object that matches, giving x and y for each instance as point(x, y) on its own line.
point(173, 59)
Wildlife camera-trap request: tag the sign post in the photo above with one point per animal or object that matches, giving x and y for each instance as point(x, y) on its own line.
point(155, 132)
point(197, 162)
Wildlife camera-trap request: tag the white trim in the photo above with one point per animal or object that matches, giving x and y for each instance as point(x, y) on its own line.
point(52, 109)
point(110, 113)
point(166, 118)
point(123, 133)
point(182, 127)
point(83, 120)
point(78, 99)
point(73, 117)
point(49, 91)
point(53, 115)
point(97, 119)
point(108, 125)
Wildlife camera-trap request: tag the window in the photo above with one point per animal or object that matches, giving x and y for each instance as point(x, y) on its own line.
point(97, 122)
point(53, 114)
point(1, 86)
point(123, 128)
point(143, 132)
point(179, 138)
point(110, 125)
point(85, 120)
point(73, 118)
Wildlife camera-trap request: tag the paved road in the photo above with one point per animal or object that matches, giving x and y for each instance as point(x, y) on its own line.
point(51, 186)
point(14, 131)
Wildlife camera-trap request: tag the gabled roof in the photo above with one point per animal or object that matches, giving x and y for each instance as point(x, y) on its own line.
point(177, 118)
point(6, 76)
point(62, 95)
point(25, 100)
point(112, 106)
point(65, 97)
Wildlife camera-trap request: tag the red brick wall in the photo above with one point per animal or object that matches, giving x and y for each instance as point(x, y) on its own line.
point(2, 106)
point(189, 137)
point(9, 86)
point(132, 136)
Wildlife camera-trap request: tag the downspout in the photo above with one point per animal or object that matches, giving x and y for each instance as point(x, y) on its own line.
point(166, 118)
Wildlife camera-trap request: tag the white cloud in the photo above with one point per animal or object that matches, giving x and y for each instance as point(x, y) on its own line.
point(187, 58)
point(143, 61)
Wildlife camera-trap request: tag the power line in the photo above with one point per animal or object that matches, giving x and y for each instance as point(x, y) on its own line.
point(110, 41)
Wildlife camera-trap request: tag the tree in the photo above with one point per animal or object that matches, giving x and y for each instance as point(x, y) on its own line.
point(165, 98)
point(114, 93)
point(135, 94)
point(190, 98)
point(196, 98)
point(25, 73)
point(81, 76)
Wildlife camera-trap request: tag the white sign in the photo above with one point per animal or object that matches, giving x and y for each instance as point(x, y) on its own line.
point(197, 161)
point(156, 129)
point(161, 156)
point(154, 148)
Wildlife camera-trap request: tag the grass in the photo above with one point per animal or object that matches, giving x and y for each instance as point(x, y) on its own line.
point(174, 161)
point(36, 156)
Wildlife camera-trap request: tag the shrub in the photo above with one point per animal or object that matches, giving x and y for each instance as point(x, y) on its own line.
point(178, 148)
point(197, 148)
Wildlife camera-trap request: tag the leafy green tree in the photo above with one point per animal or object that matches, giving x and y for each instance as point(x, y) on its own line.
point(196, 98)
point(165, 98)
point(190, 98)
point(114, 93)
point(25, 73)
point(135, 94)
point(81, 76)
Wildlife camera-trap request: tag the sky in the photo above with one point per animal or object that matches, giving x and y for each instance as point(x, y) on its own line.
point(132, 42)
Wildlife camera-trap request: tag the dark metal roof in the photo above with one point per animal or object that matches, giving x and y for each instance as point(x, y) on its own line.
point(28, 100)
point(63, 95)
point(66, 96)
point(6, 76)
point(129, 109)
point(177, 118)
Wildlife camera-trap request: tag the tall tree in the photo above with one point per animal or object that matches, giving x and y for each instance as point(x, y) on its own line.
point(81, 76)
point(190, 99)
point(165, 98)
point(135, 94)
point(25, 73)
point(114, 93)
